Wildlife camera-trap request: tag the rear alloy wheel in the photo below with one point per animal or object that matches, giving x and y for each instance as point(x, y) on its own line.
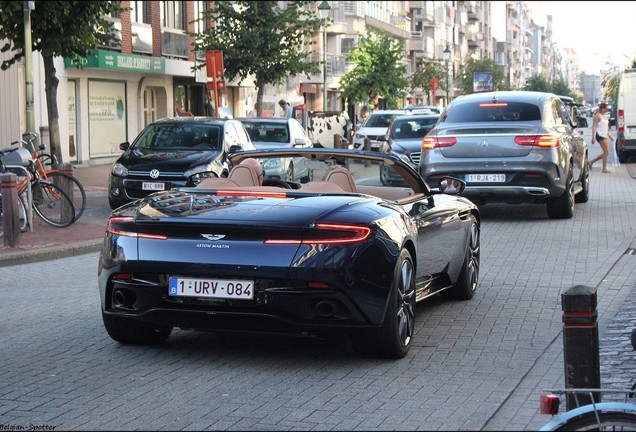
point(130, 331)
point(466, 285)
point(393, 339)
point(584, 195)
point(563, 207)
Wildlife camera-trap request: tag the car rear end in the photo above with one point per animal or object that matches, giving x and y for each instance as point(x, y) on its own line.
point(499, 146)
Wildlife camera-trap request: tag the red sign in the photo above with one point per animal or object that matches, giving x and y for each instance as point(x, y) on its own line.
point(433, 84)
point(215, 70)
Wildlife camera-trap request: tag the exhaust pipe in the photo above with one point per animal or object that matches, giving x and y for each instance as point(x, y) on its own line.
point(123, 298)
point(326, 308)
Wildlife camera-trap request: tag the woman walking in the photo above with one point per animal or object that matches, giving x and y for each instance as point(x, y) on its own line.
point(600, 133)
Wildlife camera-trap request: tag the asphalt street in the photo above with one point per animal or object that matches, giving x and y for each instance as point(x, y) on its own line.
point(475, 365)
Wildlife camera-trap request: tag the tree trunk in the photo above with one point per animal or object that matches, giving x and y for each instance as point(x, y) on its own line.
point(259, 98)
point(50, 88)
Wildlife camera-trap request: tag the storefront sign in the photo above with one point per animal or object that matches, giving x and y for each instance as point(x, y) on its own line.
point(117, 61)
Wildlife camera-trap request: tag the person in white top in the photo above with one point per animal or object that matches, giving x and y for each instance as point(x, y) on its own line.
point(286, 108)
point(600, 134)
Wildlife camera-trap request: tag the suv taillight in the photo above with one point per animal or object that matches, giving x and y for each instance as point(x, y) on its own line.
point(538, 140)
point(429, 143)
point(621, 121)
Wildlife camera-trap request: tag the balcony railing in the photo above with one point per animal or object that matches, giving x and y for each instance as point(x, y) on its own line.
point(174, 43)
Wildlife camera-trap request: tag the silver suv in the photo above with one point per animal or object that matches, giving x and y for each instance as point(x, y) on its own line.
point(511, 147)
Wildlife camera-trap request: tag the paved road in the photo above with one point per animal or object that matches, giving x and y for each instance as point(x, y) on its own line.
point(476, 365)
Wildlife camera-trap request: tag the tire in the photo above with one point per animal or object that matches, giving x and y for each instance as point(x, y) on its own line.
point(130, 331)
point(78, 195)
point(584, 195)
point(466, 285)
point(622, 156)
point(562, 207)
point(393, 338)
point(52, 204)
point(607, 420)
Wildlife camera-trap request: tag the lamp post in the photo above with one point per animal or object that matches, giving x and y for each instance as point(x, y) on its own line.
point(447, 55)
point(323, 10)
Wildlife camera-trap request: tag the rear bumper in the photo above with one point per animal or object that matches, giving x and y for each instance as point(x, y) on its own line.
point(626, 145)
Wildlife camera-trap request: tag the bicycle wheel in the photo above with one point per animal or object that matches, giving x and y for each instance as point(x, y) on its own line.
point(76, 192)
point(607, 421)
point(52, 204)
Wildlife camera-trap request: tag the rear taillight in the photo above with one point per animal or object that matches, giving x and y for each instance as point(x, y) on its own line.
point(538, 140)
point(125, 226)
point(432, 142)
point(621, 120)
point(328, 234)
point(549, 404)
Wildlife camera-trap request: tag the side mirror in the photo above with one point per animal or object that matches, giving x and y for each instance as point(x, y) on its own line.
point(299, 142)
point(451, 185)
point(124, 146)
point(235, 148)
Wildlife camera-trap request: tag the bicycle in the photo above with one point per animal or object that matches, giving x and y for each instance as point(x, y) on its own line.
point(77, 192)
point(590, 414)
point(48, 200)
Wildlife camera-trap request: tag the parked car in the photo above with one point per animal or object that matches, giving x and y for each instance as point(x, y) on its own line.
point(574, 110)
point(271, 132)
point(170, 151)
point(344, 255)
point(404, 138)
point(423, 109)
point(515, 146)
point(374, 127)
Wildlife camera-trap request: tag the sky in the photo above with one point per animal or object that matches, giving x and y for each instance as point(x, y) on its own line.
point(599, 31)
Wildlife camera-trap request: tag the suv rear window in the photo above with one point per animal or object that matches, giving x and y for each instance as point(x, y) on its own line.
point(492, 112)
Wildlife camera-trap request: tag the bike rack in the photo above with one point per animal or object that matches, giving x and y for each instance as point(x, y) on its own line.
point(22, 171)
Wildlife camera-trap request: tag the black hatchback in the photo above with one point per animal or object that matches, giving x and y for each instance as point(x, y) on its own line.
point(168, 152)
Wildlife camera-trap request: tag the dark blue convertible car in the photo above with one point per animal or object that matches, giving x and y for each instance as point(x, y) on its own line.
point(334, 252)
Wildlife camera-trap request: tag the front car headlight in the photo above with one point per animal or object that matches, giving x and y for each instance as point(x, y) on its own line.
point(119, 170)
point(196, 170)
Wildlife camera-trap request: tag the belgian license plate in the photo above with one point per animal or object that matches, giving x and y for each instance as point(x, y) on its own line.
point(485, 178)
point(211, 288)
point(153, 186)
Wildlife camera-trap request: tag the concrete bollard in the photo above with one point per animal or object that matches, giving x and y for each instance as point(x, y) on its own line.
point(580, 343)
point(10, 216)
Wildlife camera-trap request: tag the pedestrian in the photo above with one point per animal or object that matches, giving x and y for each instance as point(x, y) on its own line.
point(287, 109)
point(600, 134)
point(252, 112)
point(364, 113)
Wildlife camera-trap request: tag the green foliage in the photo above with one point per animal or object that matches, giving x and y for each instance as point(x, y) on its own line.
point(465, 79)
point(58, 28)
point(538, 83)
point(610, 87)
point(561, 88)
point(260, 39)
point(378, 72)
point(425, 71)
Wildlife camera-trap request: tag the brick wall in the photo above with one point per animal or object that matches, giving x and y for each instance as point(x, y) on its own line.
point(155, 21)
point(126, 34)
point(190, 28)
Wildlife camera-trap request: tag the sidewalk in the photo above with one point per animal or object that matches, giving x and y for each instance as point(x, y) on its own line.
point(83, 236)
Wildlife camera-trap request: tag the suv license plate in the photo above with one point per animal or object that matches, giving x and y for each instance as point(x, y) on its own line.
point(485, 178)
point(153, 186)
point(211, 288)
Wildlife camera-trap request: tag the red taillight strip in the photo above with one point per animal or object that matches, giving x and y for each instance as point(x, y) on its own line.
point(538, 140)
point(263, 194)
point(361, 233)
point(130, 219)
point(496, 104)
point(429, 143)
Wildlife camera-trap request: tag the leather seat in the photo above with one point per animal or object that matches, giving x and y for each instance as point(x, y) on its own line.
point(247, 173)
point(341, 177)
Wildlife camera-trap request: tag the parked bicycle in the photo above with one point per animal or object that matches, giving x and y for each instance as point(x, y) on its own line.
point(589, 414)
point(48, 200)
point(44, 164)
point(22, 213)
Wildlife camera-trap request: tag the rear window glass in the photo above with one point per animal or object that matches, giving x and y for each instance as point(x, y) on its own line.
point(492, 112)
point(267, 132)
point(406, 128)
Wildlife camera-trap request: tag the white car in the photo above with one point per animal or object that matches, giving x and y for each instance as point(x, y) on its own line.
point(374, 128)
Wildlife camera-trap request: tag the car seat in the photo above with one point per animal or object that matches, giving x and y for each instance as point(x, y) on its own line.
point(342, 178)
point(247, 173)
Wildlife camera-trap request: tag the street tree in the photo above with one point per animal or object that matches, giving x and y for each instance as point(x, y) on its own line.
point(61, 28)
point(610, 86)
point(378, 71)
point(538, 83)
point(560, 87)
point(465, 82)
point(426, 70)
point(262, 40)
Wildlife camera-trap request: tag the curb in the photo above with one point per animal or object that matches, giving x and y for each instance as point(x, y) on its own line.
point(49, 253)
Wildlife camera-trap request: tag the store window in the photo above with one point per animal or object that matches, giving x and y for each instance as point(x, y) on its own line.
point(107, 117)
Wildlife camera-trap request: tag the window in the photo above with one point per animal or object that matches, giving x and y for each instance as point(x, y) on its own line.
point(150, 105)
point(347, 45)
point(201, 23)
point(488, 112)
point(173, 14)
point(140, 12)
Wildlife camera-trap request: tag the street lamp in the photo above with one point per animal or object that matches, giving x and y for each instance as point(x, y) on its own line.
point(323, 10)
point(447, 55)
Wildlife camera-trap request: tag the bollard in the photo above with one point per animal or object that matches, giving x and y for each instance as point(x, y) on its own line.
point(367, 144)
point(580, 343)
point(67, 187)
point(10, 216)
